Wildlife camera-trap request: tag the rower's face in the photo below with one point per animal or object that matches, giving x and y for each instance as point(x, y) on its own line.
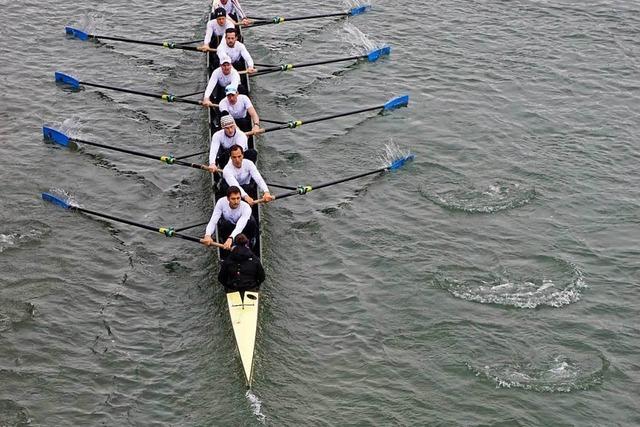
point(226, 68)
point(236, 158)
point(221, 20)
point(229, 130)
point(234, 200)
point(231, 39)
point(232, 98)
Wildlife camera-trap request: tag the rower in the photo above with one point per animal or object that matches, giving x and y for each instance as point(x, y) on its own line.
point(241, 270)
point(231, 216)
point(216, 27)
point(244, 174)
point(240, 57)
point(233, 10)
point(240, 108)
point(221, 77)
point(224, 139)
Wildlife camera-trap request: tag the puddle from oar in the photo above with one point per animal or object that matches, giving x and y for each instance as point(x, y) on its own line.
point(18, 234)
point(544, 281)
point(12, 414)
point(488, 198)
point(546, 371)
point(256, 406)
point(13, 313)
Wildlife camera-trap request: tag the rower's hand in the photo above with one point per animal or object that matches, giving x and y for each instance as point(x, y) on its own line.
point(203, 48)
point(249, 200)
point(212, 168)
point(206, 102)
point(227, 243)
point(207, 240)
point(245, 22)
point(267, 197)
point(251, 70)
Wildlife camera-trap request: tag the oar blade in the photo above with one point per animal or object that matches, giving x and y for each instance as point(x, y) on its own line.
point(55, 136)
point(397, 102)
point(375, 54)
point(67, 79)
point(56, 200)
point(398, 163)
point(358, 10)
point(79, 34)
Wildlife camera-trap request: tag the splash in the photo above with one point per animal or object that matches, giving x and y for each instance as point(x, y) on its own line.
point(495, 197)
point(556, 373)
point(359, 41)
point(64, 194)
point(355, 3)
point(256, 406)
point(521, 293)
point(21, 233)
point(392, 152)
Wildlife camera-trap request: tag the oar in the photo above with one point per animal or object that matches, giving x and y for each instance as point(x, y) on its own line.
point(371, 56)
point(392, 104)
point(81, 35)
point(304, 189)
point(280, 19)
point(75, 83)
point(64, 140)
point(167, 231)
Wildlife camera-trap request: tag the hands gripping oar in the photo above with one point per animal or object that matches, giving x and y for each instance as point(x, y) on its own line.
point(392, 104)
point(167, 231)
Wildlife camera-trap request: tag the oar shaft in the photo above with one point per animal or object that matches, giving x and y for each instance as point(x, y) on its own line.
point(169, 45)
point(306, 64)
point(327, 184)
point(137, 92)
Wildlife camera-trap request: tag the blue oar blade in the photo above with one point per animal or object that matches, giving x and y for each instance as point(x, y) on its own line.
point(79, 34)
point(397, 164)
point(67, 79)
point(397, 102)
point(359, 10)
point(56, 200)
point(55, 136)
point(375, 54)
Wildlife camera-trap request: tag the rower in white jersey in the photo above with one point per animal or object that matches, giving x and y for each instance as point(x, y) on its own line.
point(216, 27)
point(224, 139)
point(236, 51)
point(244, 174)
point(240, 108)
point(221, 77)
point(233, 10)
point(231, 216)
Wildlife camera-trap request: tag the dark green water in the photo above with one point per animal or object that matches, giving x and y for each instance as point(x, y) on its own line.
point(492, 281)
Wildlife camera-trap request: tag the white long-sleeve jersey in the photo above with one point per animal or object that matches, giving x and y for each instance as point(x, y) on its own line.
point(238, 216)
point(214, 29)
point(232, 6)
point(220, 139)
point(238, 50)
point(237, 110)
point(218, 78)
point(242, 175)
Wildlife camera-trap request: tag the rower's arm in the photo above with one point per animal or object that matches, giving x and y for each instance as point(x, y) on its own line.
point(213, 222)
point(213, 150)
point(242, 222)
point(213, 81)
point(255, 174)
point(254, 116)
point(232, 181)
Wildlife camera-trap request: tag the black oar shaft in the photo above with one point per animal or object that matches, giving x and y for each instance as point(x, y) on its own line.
point(133, 223)
point(307, 64)
point(165, 159)
point(137, 92)
point(279, 20)
point(186, 227)
point(327, 184)
point(320, 119)
point(145, 42)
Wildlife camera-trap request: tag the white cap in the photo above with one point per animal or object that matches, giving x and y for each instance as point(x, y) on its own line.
point(225, 58)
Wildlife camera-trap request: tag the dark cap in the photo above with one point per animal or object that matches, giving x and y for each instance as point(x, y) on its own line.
point(219, 12)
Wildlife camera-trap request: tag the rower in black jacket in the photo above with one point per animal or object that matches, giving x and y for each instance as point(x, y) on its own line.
point(241, 270)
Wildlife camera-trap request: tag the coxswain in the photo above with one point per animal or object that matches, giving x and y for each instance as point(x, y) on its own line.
point(234, 10)
point(244, 174)
point(221, 77)
point(216, 27)
point(231, 216)
point(240, 108)
point(224, 139)
point(236, 51)
point(241, 270)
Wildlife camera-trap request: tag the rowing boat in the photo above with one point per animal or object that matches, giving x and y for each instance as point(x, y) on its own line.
point(243, 306)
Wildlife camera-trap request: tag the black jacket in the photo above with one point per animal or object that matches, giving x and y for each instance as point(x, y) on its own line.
point(241, 270)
